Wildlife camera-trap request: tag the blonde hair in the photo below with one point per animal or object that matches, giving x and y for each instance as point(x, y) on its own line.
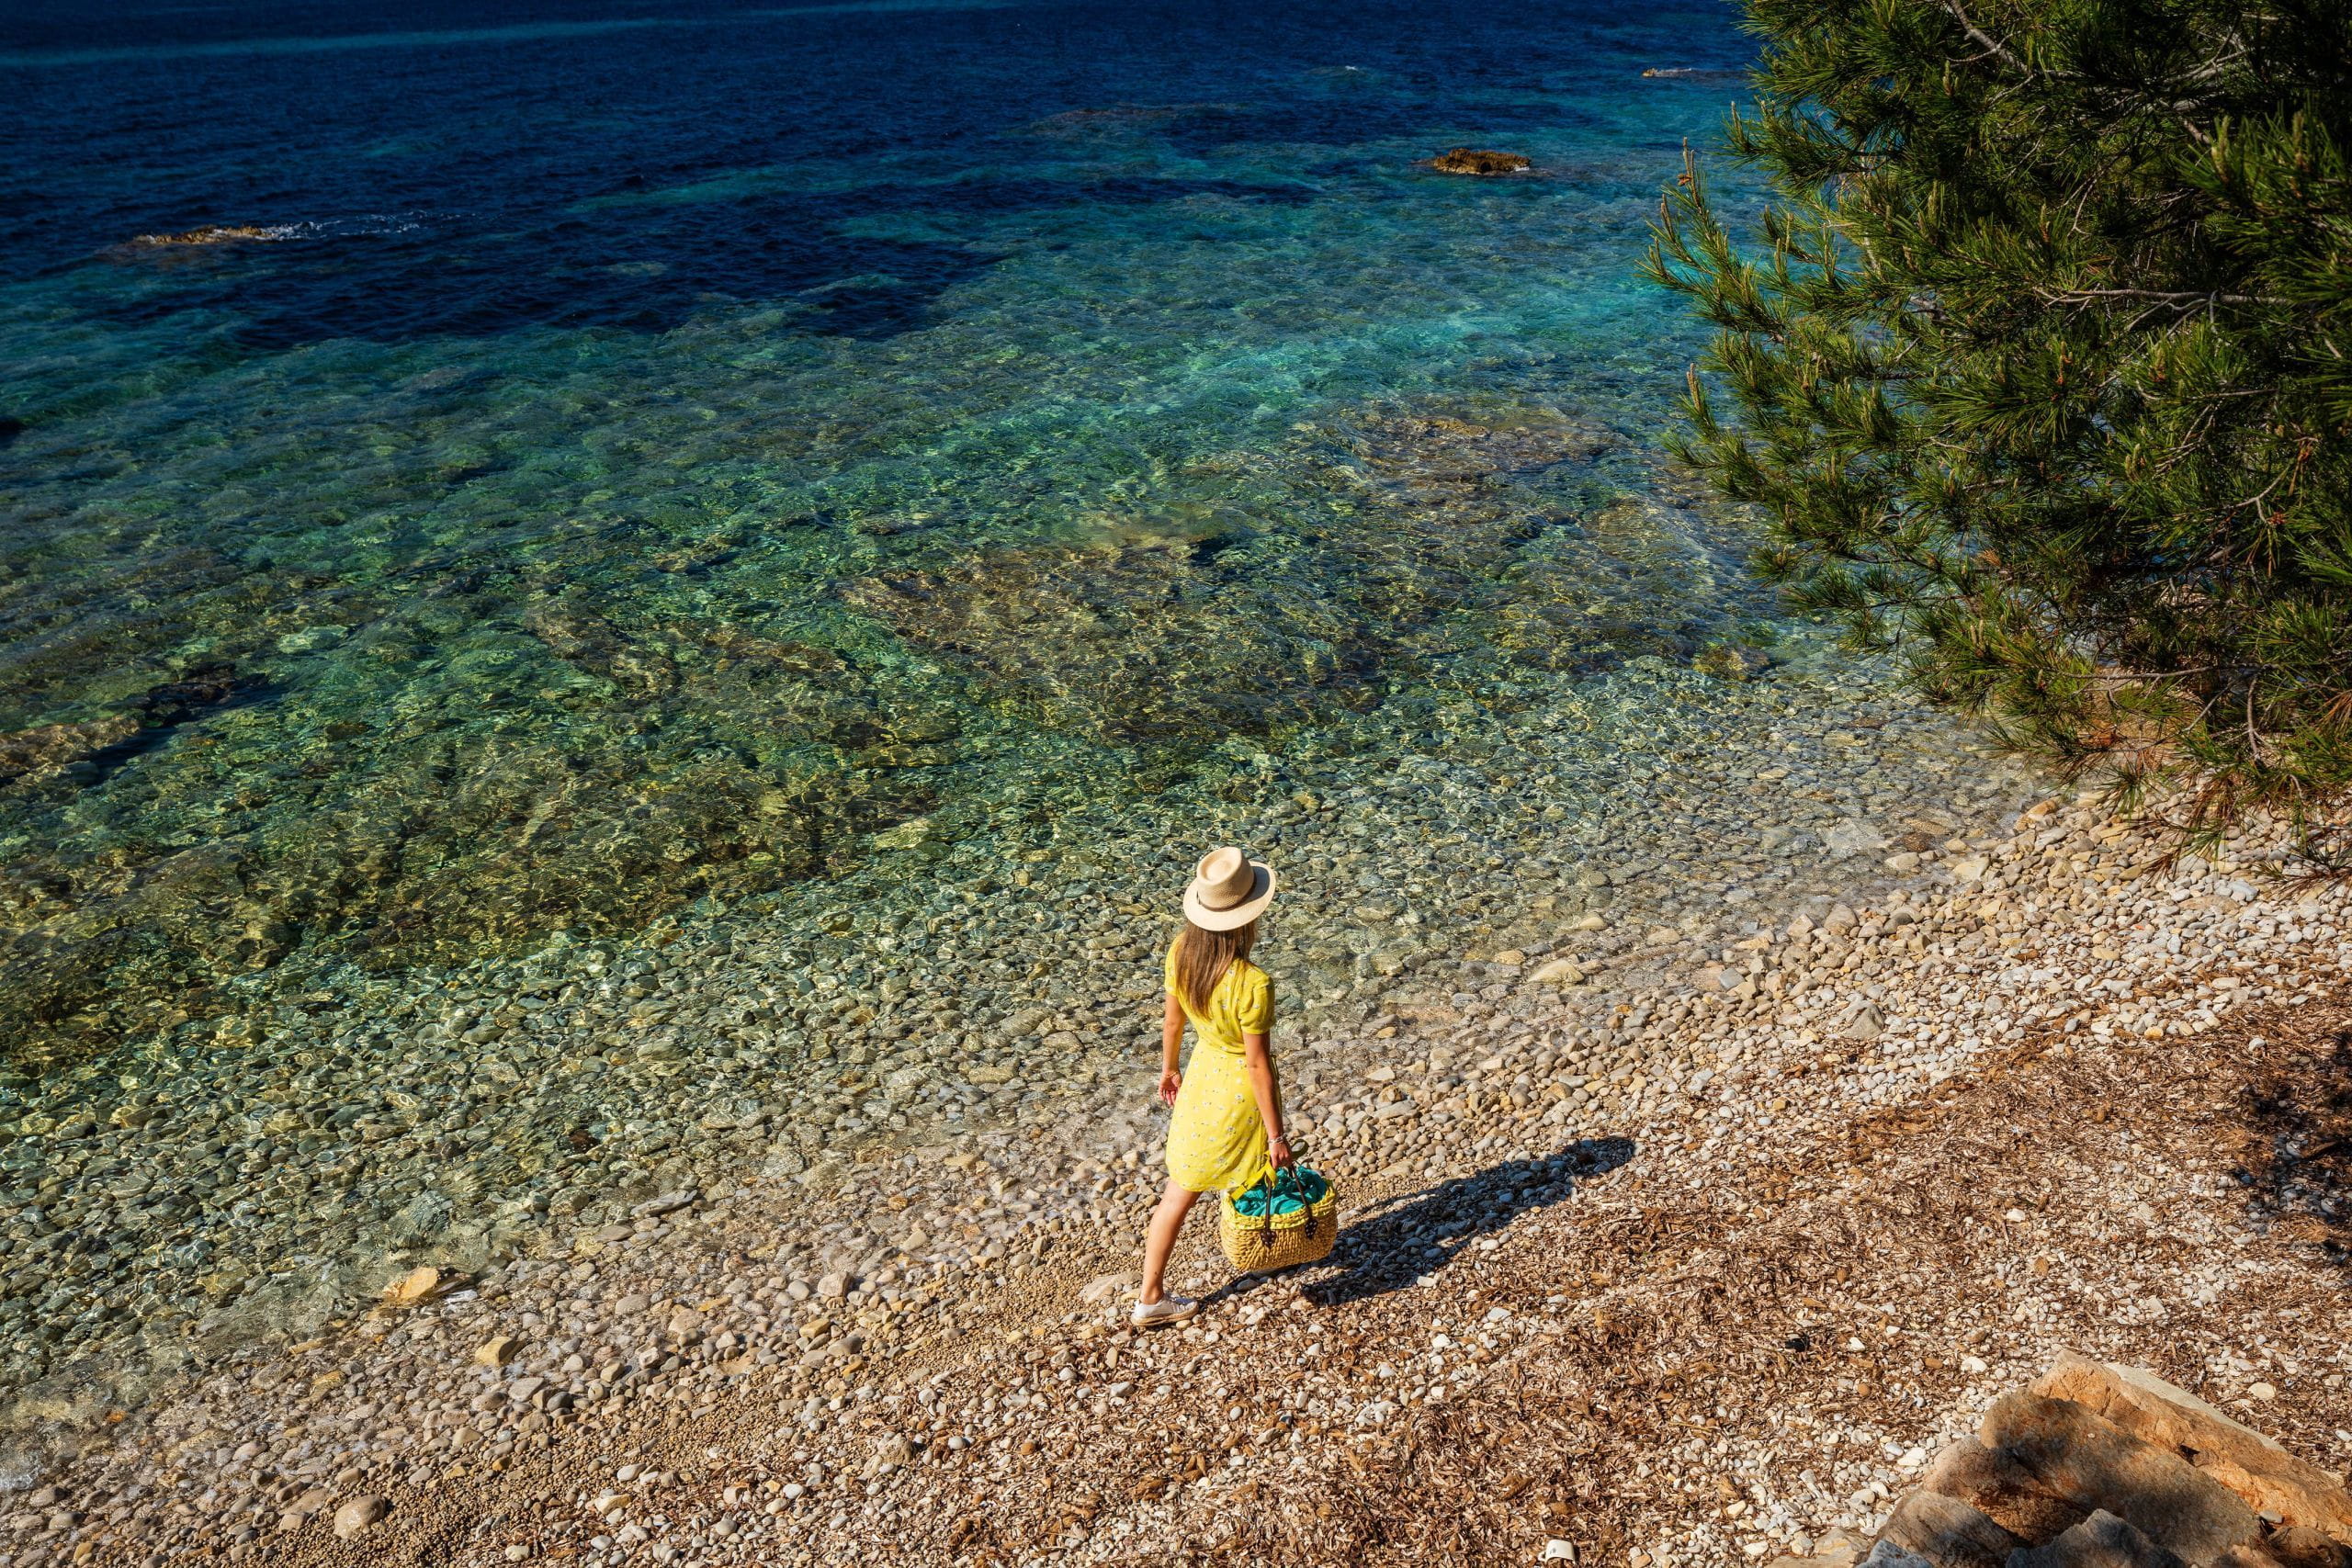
point(1203, 956)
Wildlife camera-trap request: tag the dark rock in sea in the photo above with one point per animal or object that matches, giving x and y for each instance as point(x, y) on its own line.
point(1474, 160)
point(177, 701)
point(10, 429)
point(1118, 117)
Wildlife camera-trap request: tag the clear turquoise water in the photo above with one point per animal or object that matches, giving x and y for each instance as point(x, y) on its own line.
point(658, 448)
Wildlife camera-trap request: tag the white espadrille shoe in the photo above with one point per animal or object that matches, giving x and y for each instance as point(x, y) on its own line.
point(1163, 1312)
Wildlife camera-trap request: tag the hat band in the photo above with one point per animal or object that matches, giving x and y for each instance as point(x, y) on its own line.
point(1237, 901)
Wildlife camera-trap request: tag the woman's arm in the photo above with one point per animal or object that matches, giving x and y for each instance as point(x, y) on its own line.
point(1268, 1092)
point(1171, 1041)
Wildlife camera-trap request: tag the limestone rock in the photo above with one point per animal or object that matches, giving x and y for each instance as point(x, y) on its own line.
point(1852, 836)
point(2099, 1466)
point(2102, 1540)
point(2299, 1546)
point(1949, 1532)
point(2003, 1490)
point(1865, 1023)
point(1886, 1554)
point(2078, 1454)
point(2250, 1464)
point(360, 1514)
point(1106, 1287)
point(1838, 1549)
point(667, 1203)
point(416, 1285)
point(890, 1450)
point(498, 1349)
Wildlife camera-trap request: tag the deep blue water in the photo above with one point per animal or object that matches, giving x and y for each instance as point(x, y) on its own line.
point(651, 447)
point(452, 175)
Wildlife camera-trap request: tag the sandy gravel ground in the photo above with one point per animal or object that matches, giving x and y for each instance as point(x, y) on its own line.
point(1692, 1370)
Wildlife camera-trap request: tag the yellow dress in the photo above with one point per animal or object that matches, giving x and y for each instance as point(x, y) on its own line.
point(1216, 1140)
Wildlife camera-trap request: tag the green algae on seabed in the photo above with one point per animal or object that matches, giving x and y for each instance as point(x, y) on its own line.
point(579, 721)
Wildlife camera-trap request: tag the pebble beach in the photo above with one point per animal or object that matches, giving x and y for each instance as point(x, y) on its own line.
point(619, 630)
point(921, 1263)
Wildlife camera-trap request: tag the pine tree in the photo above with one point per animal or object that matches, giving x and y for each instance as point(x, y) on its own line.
point(2041, 359)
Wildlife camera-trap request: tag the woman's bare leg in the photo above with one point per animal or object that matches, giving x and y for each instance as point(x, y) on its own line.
point(1167, 1222)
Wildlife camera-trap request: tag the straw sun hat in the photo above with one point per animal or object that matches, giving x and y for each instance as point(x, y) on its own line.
point(1228, 890)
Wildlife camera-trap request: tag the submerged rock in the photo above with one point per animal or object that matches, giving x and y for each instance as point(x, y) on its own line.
point(1730, 661)
point(1479, 160)
point(208, 686)
point(50, 748)
point(416, 1285)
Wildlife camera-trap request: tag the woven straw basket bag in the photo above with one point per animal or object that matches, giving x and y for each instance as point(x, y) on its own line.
point(1260, 1235)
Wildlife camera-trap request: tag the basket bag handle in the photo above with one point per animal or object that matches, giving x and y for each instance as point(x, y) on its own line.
point(1272, 1181)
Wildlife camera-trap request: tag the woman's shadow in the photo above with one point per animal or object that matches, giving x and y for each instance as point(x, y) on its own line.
point(1414, 1235)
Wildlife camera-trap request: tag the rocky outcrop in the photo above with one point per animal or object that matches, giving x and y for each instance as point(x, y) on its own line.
point(2099, 1466)
point(215, 235)
point(1474, 160)
point(2271, 1480)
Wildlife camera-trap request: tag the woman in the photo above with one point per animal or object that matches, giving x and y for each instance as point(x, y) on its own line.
point(1228, 1122)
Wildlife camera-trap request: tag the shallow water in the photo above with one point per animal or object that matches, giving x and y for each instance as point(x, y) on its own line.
point(648, 450)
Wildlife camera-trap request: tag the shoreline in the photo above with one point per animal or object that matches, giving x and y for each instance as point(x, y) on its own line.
point(707, 1313)
point(268, 1182)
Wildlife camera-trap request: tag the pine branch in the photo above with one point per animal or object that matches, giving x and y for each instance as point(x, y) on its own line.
point(2035, 367)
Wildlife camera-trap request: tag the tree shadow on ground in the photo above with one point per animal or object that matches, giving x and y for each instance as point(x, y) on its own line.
point(2296, 1162)
point(1416, 1233)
